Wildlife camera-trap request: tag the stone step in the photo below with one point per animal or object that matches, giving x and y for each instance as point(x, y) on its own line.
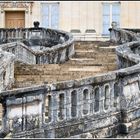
point(108, 49)
point(86, 47)
point(91, 61)
point(23, 81)
point(75, 64)
point(62, 73)
point(92, 54)
point(91, 44)
point(98, 50)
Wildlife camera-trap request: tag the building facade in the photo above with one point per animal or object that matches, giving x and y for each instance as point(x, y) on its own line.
point(72, 16)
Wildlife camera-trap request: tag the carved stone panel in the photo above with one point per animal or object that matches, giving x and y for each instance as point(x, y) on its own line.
point(16, 4)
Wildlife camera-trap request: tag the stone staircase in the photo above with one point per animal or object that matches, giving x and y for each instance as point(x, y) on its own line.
point(91, 58)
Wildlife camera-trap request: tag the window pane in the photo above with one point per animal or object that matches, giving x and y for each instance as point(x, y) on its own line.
point(116, 13)
point(116, 18)
point(45, 15)
point(106, 9)
point(105, 29)
point(54, 16)
point(116, 8)
point(106, 18)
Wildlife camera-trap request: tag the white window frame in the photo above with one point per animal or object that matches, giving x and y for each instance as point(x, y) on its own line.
point(49, 16)
point(110, 12)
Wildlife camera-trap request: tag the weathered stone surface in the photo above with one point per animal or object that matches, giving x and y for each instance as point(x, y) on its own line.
point(106, 105)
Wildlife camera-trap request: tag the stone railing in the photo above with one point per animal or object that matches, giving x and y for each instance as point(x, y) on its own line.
point(58, 53)
point(99, 106)
point(48, 45)
point(63, 108)
point(6, 70)
point(22, 52)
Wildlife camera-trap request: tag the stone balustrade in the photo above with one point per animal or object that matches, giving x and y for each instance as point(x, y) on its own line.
point(104, 106)
point(21, 51)
point(41, 45)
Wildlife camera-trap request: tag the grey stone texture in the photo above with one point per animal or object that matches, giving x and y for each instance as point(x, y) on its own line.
point(107, 105)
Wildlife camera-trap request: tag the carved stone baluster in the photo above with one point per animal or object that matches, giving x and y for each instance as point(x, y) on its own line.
point(12, 34)
point(16, 36)
point(79, 103)
point(101, 99)
point(27, 34)
point(0, 34)
point(3, 34)
point(50, 108)
point(19, 34)
point(68, 105)
point(8, 34)
point(64, 113)
point(92, 102)
point(55, 107)
point(111, 95)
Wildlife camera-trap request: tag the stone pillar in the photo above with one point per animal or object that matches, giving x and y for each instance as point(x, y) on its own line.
point(80, 104)
point(68, 105)
point(101, 99)
point(65, 103)
point(27, 34)
point(50, 109)
point(0, 34)
point(55, 107)
point(16, 36)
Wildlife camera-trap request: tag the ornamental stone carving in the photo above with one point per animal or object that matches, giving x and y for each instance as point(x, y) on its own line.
point(16, 4)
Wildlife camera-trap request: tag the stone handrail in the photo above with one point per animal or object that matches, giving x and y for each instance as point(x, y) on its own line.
point(6, 70)
point(22, 52)
point(49, 45)
point(73, 108)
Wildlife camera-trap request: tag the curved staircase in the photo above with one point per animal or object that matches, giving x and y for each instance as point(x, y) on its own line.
point(91, 58)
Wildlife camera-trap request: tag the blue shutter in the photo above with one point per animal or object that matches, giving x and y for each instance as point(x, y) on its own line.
point(54, 16)
point(45, 15)
point(106, 18)
point(116, 13)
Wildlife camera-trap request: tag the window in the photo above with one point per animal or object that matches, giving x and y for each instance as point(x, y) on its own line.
point(50, 15)
point(111, 12)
